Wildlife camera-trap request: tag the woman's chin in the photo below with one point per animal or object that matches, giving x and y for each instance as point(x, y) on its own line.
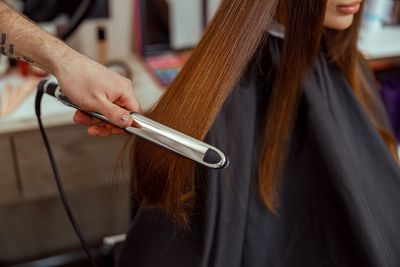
point(339, 24)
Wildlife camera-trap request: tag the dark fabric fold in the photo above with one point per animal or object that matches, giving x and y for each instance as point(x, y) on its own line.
point(339, 191)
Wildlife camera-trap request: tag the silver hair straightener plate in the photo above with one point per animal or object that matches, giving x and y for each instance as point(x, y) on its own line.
point(154, 132)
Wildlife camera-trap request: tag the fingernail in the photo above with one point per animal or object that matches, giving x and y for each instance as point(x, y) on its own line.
point(125, 118)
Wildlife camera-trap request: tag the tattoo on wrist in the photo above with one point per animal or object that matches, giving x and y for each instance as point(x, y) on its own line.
point(3, 39)
point(27, 59)
point(3, 42)
point(11, 50)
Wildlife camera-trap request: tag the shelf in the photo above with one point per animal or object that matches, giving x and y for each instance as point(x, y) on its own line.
point(381, 44)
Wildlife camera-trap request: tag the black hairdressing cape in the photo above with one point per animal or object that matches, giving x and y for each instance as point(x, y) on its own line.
point(339, 191)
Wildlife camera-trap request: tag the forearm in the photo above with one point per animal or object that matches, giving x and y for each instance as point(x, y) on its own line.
point(23, 40)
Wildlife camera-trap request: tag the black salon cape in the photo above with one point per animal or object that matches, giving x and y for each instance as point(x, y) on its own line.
point(339, 191)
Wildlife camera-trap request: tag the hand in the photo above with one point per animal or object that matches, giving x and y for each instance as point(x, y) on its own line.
point(93, 87)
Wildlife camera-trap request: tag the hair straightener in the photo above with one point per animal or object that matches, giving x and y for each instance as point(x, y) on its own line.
point(154, 132)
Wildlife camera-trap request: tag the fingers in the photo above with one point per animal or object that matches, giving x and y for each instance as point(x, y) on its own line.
point(96, 126)
point(115, 101)
point(105, 130)
point(118, 131)
point(118, 115)
point(96, 130)
point(129, 101)
point(82, 118)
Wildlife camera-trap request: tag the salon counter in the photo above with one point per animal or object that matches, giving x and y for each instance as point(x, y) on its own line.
point(381, 44)
point(381, 47)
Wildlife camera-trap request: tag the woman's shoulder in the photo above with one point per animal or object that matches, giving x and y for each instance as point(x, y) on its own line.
point(257, 81)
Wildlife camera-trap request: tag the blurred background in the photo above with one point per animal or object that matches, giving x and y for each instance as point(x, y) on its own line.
point(147, 41)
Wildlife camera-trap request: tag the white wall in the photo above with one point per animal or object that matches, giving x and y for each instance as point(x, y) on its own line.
point(186, 23)
point(212, 7)
point(119, 32)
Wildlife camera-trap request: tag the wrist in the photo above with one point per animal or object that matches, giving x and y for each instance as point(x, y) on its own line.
point(61, 59)
point(58, 56)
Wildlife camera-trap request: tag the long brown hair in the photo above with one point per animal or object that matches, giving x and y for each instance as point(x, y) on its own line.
point(192, 102)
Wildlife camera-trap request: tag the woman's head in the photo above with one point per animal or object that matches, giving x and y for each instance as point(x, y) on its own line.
point(340, 14)
point(193, 101)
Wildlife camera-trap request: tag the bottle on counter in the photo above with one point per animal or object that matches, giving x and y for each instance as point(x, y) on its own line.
point(377, 13)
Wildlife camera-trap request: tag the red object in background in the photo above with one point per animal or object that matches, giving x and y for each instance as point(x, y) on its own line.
point(26, 69)
point(23, 68)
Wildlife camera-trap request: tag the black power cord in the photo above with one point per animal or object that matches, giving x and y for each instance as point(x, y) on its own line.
point(76, 20)
point(60, 187)
point(80, 14)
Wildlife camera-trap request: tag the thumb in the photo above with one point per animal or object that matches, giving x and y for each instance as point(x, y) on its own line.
point(117, 115)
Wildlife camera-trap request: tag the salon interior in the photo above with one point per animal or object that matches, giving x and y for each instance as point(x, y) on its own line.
point(147, 41)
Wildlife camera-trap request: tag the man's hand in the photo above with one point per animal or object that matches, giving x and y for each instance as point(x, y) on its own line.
point(93, 87)
point(87, 83)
